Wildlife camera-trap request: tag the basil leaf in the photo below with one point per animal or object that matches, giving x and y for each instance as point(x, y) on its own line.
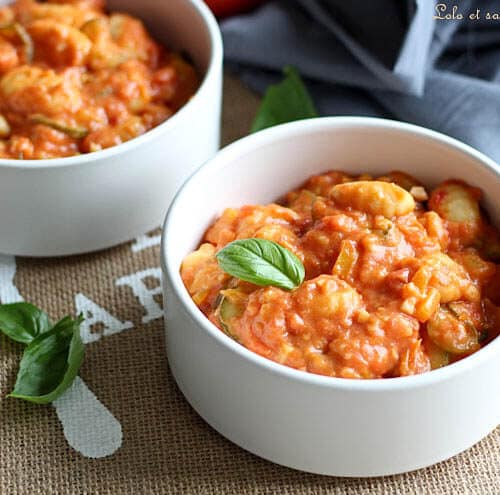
point(23, 322)
point(50, 363)
point(262, 262)
point(284, 102)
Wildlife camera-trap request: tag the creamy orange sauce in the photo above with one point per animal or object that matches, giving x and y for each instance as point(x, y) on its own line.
point(399, 279)
point(74, 79)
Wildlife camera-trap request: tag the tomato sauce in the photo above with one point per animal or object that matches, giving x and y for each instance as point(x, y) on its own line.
point(74, 79)
point(399, 280)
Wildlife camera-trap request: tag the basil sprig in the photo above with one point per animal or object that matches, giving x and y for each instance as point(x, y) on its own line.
point(53, 355)
point(284, 102)
point(23, 322)
point(262, 262)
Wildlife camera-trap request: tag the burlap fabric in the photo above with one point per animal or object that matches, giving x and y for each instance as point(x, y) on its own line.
point(167, 448)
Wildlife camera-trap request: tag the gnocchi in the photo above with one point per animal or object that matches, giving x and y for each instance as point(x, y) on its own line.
point(374, 197)
point(456, 202)
point(58, 44)
point(29, 90)
point(66, 12)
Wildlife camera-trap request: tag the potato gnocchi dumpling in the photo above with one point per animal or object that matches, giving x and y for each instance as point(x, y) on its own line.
point(400, 279)
point(58, 44)
point(83, 79)
point(375, 197)
point(63, 11)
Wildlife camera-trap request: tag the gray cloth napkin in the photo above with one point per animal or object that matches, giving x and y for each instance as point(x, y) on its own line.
point(387, 58)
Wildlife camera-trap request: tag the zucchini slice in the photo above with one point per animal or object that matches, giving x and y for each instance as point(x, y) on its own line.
point(452, 330)
point(76, 132)
point(438, 357)
point(232, 305)
point(17, 30)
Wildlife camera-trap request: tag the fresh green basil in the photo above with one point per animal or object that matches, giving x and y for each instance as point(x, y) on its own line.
point(50, 363)
point(23, 322)
point(53, 354)
point(284, 102)
point(262, 262)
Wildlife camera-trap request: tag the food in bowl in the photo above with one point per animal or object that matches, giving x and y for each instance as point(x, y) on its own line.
point(74, 79)
point(316, 423)
point(398, 281)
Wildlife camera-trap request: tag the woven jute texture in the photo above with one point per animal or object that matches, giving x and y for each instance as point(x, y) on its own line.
point(167, 448)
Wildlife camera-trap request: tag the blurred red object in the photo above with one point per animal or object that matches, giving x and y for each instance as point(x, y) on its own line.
point(224, 8)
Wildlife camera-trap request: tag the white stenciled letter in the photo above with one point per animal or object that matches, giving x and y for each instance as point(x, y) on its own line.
point(95, 314)
point(143, 293)
point(8, 291)
point(88, 425)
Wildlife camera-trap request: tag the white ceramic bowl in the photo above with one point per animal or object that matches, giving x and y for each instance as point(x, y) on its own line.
point(324, 425)
point(88, 202)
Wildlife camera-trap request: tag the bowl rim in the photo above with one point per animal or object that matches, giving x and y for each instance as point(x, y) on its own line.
point(262, 138)
point(214, 66)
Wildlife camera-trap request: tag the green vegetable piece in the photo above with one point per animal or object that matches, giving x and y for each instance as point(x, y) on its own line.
point(19, 31)
point(226, 311)
point(29, 48)
point(284, 102)
point(438, 357)
point(76, 132)
point(262, 262)
point(450, 329)
point(50, 363)
point(23, 322)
